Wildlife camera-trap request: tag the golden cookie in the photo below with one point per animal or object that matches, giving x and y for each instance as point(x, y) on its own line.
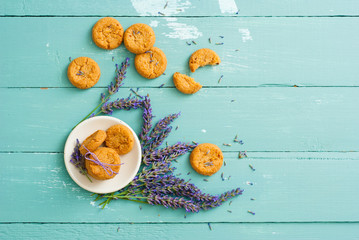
point(185, 84)
point(104, 155)
point(120, 138)
point(139, 38)
point(203, 57)
point(83, 72)
point(107, 33)
point(93, 141)
point(151, 64)
point(206, 159)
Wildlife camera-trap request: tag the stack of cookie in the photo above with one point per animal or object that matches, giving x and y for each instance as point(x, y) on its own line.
point(101, 162)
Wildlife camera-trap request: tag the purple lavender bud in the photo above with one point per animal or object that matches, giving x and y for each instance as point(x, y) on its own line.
point(156, 142)
point(120, 76)
point(169, 153)
point(162, 125)
point(172, 202)
point(123, 103)
point(147, 121)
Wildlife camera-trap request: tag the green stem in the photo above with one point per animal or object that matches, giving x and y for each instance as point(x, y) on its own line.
point(102, 102)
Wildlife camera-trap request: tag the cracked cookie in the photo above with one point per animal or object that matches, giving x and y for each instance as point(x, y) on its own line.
point(151, 64)
point(206, 159)
point(185, 84)
point(83, 72)
point(139, 38)
point(107, 33)
point(120, 138)
point(93, 141)
point(108, 158)
point(203, 57)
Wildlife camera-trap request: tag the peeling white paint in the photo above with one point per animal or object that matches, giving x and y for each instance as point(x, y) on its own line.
point(182, 31)
point(204, 130)
point(228, 6)
point(92, 203)
point(154, 24)
point(47, 44)
point(246, 34)
point(146, 7)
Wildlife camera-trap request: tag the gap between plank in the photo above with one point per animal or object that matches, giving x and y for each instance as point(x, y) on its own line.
point(162, 223)
point(133, 16)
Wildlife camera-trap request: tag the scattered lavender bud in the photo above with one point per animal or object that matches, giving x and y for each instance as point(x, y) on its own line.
point(253, 213)
point(251, 167)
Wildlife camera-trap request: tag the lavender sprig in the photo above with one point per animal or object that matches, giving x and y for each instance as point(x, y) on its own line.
point(162, 125)
point(120, 76)
point(78, 160)
point(172, 202)
point(112, 88)
point(123, 103)
point(158, 140)
point(147, 121)
point(155, 184)
point(168, 153)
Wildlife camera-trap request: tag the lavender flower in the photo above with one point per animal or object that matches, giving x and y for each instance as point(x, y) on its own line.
point(123, 103)
point(168, 153)
point(163, 124)
point(172, 202)
point(158, 140)
point(147, 120)
point(78, 160)
point(217, 201)
point(120, 76)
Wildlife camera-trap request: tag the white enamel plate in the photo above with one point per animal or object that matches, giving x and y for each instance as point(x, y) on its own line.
point(131, 161)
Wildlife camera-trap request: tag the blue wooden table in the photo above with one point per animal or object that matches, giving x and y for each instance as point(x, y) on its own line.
point(289, 90)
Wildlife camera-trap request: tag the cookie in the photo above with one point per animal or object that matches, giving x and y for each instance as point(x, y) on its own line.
point(203, 57)
point(151, 64)
point(206, 159)
point(106, 156)
point(93, 141)
point(107, 33)
point(120, 138)
point(83, 72)
point(139, 38)
point(185, 84)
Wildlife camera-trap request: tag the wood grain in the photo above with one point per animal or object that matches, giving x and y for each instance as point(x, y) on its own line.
point(292, 187)
point(266, 119)
point(272, 51)
point(214, 8)
point(244, 231)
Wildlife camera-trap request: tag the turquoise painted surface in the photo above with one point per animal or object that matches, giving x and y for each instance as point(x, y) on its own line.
point(272, 51)
point(303, 141)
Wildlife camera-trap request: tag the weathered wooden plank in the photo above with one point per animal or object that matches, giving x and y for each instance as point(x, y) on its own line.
point(179, 8)
point(266, 119)
point(273, 51)
point(244, 231)
point(287, 187)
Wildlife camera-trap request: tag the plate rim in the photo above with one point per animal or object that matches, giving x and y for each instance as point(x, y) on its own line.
point(68, 163)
